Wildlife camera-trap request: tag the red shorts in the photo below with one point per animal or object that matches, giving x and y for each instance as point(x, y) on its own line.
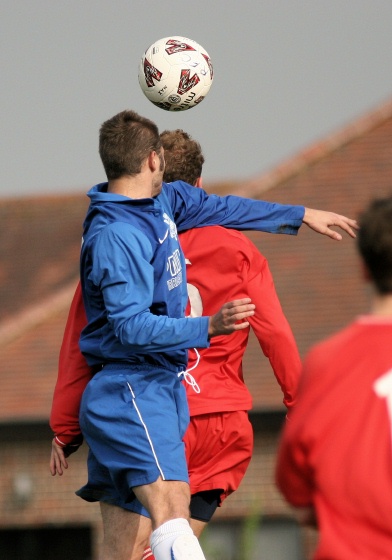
point(218, 448)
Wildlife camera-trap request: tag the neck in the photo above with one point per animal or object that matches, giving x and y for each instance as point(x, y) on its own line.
point(382, 305)
point(132, 187)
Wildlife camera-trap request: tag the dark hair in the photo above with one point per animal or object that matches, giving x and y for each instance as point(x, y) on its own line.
point(125, 141)
point(374, 240)
point(183, 157)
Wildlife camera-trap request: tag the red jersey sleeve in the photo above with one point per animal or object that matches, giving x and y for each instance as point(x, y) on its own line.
point(271, 327)
point(293, 472)
point(73, 375)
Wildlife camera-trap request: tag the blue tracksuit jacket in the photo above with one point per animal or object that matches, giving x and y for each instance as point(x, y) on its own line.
point(133, 270)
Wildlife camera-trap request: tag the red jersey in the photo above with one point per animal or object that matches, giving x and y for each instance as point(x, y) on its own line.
point(335, 454)
point(222, 265)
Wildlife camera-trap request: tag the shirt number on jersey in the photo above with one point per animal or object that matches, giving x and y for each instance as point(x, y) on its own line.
point(195, 302)
point(383, 389)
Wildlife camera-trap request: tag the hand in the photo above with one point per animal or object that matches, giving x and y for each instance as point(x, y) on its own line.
point(320, 221)
point(226, 320)
point(58, 462)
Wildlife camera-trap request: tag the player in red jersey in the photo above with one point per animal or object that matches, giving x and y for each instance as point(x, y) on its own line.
point(223, 263)
point(215, 468)
point(335, 456)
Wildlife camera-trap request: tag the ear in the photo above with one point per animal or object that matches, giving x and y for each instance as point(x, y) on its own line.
point(199, 183)
point(150, 161)
point(153, 161)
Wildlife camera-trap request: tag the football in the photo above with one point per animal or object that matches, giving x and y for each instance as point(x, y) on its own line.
point(175, 73)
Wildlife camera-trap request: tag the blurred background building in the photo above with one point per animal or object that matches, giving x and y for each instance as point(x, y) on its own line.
point(319, 285)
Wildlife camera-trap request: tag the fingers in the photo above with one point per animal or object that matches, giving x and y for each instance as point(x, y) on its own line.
point(333, 234)
point(348, 225)
point(239, 309)
point(55, 466)
point(240, 326)
point(231, 317)
point(235, 302)
point(58, 461)
point(321, 221)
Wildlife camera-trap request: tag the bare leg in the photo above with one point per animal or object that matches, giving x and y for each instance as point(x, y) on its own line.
point(168, 504)
point(198, 526)
point(125, 534)
point(164, 500)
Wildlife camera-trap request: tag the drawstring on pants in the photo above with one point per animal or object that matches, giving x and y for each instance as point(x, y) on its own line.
point(188, 377)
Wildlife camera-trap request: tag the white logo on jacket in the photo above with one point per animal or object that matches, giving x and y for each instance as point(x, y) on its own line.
point(175, 269)
point(171, 224)
point(164, 237)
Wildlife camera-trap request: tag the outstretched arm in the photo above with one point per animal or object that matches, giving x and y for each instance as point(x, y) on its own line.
point(195, 208)
point(321, 221)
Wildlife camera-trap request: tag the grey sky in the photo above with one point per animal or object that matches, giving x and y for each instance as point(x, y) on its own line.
point(286, 74)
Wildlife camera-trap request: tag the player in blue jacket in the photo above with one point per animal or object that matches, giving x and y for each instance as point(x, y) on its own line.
point(134, 412)
point(125, 239)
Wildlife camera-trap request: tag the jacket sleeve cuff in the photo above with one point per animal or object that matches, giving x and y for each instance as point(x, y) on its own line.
point(69, 440)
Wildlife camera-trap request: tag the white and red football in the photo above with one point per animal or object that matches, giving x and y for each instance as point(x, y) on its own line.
point(175, 73)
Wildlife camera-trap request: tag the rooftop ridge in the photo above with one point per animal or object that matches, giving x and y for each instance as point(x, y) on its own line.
point(315, 152)
point(34, 315)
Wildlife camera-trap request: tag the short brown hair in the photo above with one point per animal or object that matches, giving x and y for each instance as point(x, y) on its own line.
point(374, 242)
point(125, 141)
point(183, 157)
